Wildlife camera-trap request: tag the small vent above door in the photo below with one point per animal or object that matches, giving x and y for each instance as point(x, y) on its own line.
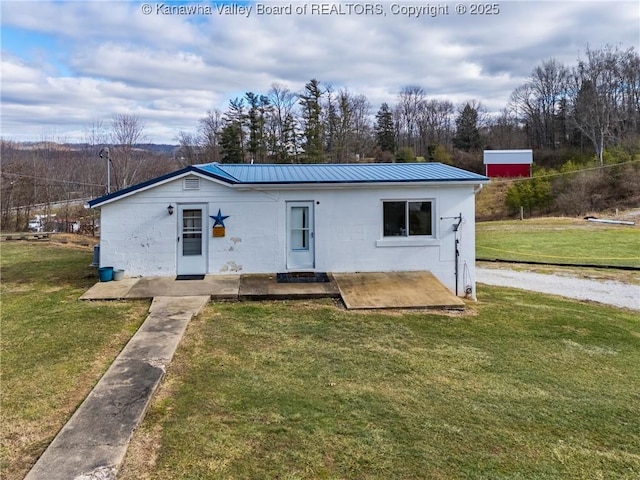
point(191, 183)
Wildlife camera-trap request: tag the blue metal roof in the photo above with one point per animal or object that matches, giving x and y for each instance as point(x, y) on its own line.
point(316, 173)
point(216, 170)
point(340, 173)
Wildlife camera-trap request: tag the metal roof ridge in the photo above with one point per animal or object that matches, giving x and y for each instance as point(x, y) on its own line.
point(217, 166)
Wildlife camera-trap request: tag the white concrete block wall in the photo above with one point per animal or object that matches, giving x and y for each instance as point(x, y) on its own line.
point(139, 235)
point(139, 238)
point(251, 243)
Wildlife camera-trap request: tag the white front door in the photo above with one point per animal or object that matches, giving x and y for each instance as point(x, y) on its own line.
point(300, 236)
point(192, 252)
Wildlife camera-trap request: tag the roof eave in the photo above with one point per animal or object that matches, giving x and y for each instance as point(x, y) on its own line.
point(183, 172)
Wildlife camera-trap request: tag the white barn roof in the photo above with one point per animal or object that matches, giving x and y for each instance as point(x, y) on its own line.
point(508, 157)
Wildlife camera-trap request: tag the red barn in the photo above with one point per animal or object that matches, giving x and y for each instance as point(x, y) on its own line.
point(508, 163)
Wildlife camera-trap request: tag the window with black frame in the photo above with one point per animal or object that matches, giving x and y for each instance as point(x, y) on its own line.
point(407, 218)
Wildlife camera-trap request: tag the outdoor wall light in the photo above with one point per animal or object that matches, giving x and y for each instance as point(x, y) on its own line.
point(170, 209)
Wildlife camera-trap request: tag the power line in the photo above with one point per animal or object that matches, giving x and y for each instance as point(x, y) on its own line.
point(573, 172)
point(21, 175)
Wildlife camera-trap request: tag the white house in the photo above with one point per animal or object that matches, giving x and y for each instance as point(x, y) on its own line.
point(219, 219)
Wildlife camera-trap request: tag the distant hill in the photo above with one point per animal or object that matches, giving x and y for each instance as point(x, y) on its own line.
point(159, 148)
point(163, 149)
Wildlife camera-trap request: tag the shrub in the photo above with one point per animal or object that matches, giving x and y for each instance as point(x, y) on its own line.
point(405, 155)
point(533, 195)
point(582, 193)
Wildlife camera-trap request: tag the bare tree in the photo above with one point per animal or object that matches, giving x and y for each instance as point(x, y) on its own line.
point(523, 104)
point(435, 124)
point(281, 123)
point(209, 130)
point(96, 136)
point(9, 186)
point(595, 92)
point(629, 70)
point(189, 151)
point(410, 102)
point(504, 132)
point(127, 131)
point(549, 84)
point(362, 128)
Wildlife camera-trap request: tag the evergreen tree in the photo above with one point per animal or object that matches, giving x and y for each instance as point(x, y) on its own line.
point(257, 143)
point(330, 126)
point(385, 132)
point(231, 143)
point(312, 122)
point(467, 135)
point(232, 136)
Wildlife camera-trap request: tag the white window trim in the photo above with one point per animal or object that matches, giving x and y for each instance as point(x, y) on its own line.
point(409, 240)
point(421, 241)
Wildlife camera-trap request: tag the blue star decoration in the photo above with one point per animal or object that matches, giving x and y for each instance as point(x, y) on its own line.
point(219, 219)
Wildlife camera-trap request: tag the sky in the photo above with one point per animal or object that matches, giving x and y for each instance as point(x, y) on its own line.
point(67, 65)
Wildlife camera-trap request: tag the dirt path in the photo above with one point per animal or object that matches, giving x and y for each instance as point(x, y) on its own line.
point(608, 291)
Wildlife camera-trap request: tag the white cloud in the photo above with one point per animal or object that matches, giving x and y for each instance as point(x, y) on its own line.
point(100, 58)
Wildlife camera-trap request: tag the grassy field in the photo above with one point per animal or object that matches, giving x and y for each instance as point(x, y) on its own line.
point(54, 348)
point(520, 386)
point(523, 386)
point(559, 240)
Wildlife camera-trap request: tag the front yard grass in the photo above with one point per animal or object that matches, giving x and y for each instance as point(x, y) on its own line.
point(524, 386)
point(53, 347)
point(559, 240)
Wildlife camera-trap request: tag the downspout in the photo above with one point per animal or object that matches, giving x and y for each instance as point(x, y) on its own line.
point(456, 245)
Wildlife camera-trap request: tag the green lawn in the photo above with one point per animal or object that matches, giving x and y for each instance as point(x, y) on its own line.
point(559, 240)
point(524, 386)
point(521, 386)
point(54, 348)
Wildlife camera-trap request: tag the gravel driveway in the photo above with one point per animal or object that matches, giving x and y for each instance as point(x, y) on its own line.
point(608, 291)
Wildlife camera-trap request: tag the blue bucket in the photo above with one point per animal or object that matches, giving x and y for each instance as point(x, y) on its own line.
point(105, 274)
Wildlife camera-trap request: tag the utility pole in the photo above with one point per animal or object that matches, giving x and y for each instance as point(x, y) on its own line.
point(104, 153)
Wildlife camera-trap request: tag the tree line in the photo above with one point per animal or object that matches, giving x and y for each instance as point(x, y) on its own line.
point(55, 177)
point(577, 114)
point(588, 106)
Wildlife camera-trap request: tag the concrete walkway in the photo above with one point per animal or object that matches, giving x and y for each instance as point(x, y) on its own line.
point(92, 445)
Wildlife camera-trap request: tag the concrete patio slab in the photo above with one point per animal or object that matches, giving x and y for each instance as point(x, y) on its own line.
point(110, 290)
point(394, 290)
point(358, 290)
point(218, 287)
point(266, 287)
